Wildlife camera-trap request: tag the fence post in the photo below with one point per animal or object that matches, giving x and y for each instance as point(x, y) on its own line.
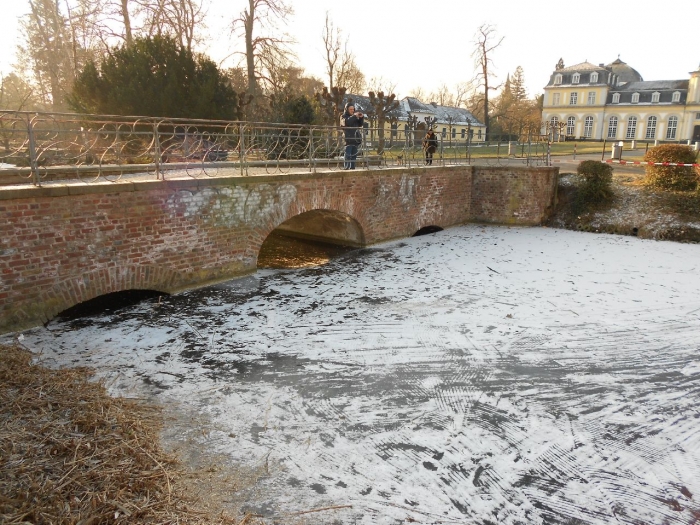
point(549, 153)
point(241, 145)
point(33, 161)
point(157, 152)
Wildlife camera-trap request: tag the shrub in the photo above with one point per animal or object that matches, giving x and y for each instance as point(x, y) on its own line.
point(595, 182)
point(671, 177)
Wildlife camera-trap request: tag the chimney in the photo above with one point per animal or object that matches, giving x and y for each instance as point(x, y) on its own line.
point(434, 104)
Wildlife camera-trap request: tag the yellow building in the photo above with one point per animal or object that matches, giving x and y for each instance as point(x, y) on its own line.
point(614, 102)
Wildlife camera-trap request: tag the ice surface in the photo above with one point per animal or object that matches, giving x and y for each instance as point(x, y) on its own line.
point(478, 375)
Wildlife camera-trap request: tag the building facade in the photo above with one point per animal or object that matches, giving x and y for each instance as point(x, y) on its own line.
point(613, 102)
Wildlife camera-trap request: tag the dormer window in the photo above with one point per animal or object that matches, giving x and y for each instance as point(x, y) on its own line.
point(594, 77)
point(557, 79)
point(616, 98)
point(576, 78)
point(676, 96)
point(655, 96)
point(635, 98)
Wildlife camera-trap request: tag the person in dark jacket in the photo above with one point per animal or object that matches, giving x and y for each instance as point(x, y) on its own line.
point(430, 145)
point(352, 122)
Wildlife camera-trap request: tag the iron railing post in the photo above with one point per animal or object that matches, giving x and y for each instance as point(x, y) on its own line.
point(241, 145)
point(33, 161)
point(157, 152)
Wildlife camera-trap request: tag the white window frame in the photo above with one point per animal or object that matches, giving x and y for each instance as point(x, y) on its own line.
point(571, 126)
point(651, 127)
point(676, 96)
point(573, 98)
point(591, 98)
point(612, 127)
point(655, 97)
point(616, 98)
point(631, 128)
point(672, 128)
point(576, 78)
point(556, 99)
point(557, 79)
point(588, 127)
point(635, 98)
point(594, 77)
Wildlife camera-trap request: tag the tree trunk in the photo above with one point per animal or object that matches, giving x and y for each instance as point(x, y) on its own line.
point(127, 23)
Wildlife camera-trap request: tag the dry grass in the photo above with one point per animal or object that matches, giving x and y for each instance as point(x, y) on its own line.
point(71, 454)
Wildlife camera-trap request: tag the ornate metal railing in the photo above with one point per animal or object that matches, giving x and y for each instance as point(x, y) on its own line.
point(38, 148)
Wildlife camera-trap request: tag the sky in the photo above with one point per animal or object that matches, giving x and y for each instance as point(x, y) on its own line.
point(413, 43)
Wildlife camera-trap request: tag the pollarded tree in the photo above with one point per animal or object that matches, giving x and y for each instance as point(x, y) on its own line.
point(155, 77)
point(382, 105)
point(332, 103)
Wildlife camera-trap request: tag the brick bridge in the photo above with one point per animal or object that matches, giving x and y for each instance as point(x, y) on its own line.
point(64, 244)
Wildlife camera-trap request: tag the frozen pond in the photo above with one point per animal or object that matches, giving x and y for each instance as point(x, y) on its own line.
point(477, 375)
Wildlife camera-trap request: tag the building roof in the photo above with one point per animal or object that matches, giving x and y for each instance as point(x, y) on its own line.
point(654, 85)
point(443, 114)
point(624, 72)
point(583, 66)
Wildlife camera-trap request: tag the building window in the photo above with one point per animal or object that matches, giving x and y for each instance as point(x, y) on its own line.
point(576, 78)
point(697, 116)
point(591, 98)
point(655, 96)
point(651, 128)
point(594, 77)
point(635, 98)
point(557, 79)
point(573, 99)
point(672, 127)
point(588, 127)
point(616, 98)
point(570, 123)
point(612, 128)
point(454, 133)
point(631, 127)
point(478, 134)
point(555, 99)
point(444, 132)
point(463, 132)
point(676, 96)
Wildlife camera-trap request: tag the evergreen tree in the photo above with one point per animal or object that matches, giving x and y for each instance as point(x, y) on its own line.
point(155, 77)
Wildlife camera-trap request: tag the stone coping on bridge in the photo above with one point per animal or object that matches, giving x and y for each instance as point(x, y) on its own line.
point(76, 187)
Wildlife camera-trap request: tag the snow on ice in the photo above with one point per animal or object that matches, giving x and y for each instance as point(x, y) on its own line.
point(478, 375)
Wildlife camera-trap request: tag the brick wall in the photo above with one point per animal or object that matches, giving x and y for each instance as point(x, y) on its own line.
point(63, 245)
point(513, 195)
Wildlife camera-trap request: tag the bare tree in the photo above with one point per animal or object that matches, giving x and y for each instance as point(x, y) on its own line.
point(50, 51)
point(377, 84)
point(262, 51)
point(331, 100)
point(418, 93)
point(341, 68)
point(442, 96)
point(485, 45)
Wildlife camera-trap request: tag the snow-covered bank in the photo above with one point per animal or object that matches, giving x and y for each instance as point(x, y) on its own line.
point(481, 374)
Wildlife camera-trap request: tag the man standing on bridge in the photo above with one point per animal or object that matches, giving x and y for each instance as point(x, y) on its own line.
point(352, 124)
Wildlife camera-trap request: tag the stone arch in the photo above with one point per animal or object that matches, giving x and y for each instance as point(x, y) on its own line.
point(80, 288)
point(426, 230)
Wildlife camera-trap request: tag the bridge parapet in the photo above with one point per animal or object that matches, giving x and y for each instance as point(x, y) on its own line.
point(64, 244)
